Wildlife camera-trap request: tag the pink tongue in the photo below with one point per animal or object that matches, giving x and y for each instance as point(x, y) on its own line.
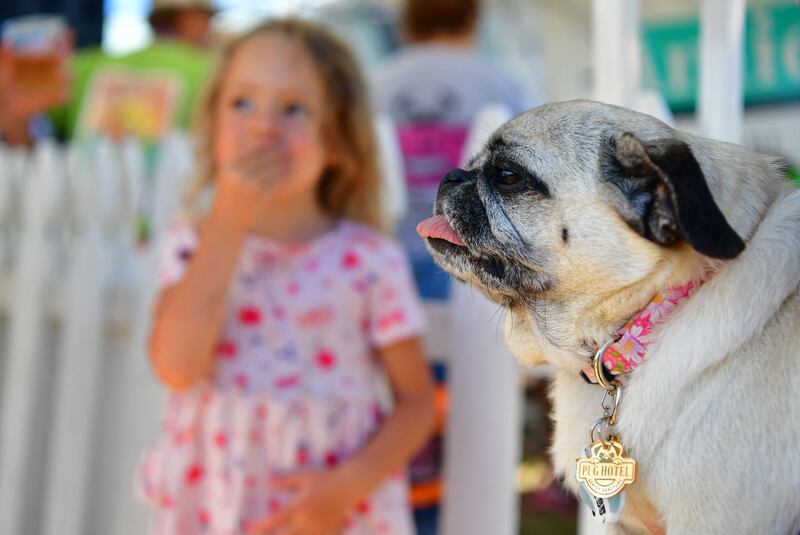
point(437, 227)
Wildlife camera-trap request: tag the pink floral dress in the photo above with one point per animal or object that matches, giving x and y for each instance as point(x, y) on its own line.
point(297, 384)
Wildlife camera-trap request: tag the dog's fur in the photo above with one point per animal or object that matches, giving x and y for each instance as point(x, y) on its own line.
point(602, 208)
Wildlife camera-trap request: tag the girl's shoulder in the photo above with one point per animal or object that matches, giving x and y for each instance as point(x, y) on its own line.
point(372, 243)
point(380, 264)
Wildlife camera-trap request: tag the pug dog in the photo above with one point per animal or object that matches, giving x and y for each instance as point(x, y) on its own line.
point(572, 217)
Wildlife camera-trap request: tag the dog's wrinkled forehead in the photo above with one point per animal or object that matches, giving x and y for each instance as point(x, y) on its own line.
point(503, 146)
point(565, 132)
point(543, 147)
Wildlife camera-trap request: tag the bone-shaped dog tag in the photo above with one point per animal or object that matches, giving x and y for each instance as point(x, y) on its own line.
point(605, 472)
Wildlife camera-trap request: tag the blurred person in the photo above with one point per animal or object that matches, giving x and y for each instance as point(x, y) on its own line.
point(148, 92)
point(145, 93)
point(22, 107)
point(281, 307)
point(433, 88)
point(185, 21)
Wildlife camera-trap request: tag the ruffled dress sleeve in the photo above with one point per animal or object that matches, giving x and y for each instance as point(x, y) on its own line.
point(395, 312)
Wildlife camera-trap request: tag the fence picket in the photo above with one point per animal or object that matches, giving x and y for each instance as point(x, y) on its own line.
point(80, 360)
point(26, 375)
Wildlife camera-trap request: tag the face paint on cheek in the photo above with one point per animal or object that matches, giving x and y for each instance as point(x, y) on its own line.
point(231, 140)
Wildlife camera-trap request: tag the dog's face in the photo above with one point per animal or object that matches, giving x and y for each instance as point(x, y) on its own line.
point(572, 200)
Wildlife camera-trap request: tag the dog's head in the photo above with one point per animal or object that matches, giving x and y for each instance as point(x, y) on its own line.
point(575, 200)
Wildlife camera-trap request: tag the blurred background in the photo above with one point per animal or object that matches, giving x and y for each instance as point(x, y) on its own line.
point(89, 180)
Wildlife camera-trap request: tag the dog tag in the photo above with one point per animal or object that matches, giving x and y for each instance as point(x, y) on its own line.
point(603, 509)
point(605, 471)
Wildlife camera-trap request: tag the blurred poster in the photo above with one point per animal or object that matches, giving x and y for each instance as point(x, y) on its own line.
point(123, 103)
point(430, 150)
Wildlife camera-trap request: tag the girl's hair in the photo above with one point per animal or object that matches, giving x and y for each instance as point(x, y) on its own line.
point(350, 188)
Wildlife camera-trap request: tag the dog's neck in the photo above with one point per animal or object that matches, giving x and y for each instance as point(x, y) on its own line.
point(564, 332)
point(568, 329)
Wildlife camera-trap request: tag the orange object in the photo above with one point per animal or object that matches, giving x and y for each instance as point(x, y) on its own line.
point(442, 405)
point(426, 494)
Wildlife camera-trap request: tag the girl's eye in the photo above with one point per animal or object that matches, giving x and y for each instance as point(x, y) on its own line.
point(509, 178)
point(296, 110)
point(242, 104)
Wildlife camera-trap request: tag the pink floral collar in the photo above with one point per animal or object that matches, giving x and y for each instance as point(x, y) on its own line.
point(630, 347)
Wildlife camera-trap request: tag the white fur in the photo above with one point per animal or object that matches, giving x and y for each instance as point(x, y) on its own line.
point(713, 414)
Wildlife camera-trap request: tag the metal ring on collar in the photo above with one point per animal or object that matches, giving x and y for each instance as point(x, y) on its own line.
point(612, 410)
point(598, 424)
point(597, 366)
point(612, 420)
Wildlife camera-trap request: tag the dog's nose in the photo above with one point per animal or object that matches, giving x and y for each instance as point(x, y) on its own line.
point(455, 176)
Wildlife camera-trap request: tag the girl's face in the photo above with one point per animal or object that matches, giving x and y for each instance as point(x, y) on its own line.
point(272, 99)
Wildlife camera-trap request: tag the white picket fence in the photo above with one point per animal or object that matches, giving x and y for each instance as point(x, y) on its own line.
point(78, 400)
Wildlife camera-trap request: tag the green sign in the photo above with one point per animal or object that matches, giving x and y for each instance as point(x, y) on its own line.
point(771, 62)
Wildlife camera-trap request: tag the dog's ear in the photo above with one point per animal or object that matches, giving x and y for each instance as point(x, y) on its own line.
point(668, 197)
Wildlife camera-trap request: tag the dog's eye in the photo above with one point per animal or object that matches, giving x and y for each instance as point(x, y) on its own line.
point(509, 178)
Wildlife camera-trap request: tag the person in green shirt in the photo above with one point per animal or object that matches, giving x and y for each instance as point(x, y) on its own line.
point(145, 93)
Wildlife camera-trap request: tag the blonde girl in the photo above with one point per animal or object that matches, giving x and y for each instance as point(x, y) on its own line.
point(282, 308)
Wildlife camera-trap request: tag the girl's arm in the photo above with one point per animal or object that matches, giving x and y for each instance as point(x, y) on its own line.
point(404, 432)
point(189, 316)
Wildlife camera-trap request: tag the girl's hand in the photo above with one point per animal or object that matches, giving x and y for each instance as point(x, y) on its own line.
point(245, 187)
point(321, 502)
